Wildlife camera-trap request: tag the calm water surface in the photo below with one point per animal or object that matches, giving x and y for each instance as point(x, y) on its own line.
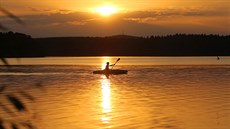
point(174, 95)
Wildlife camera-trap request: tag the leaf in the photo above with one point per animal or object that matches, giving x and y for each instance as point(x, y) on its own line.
point(3, 27)
point(16, 102)
point(38, 85)
point(14, 126)
point(28, 125)
point(6, 109)
point(28, 96)
point(2, 88)
point(4, 61)
point(11, 15)
point(1, 124)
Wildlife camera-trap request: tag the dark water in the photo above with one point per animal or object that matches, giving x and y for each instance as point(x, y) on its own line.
point(148, 97)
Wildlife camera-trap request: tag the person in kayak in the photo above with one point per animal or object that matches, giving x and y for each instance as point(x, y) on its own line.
point(107, 67)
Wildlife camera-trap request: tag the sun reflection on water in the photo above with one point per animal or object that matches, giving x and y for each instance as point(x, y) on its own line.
point(104, 59)
point(106, 100)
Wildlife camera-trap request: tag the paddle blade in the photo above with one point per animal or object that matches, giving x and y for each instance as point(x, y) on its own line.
point(118, 59)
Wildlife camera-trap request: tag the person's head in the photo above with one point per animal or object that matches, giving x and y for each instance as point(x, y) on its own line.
point(107, 63)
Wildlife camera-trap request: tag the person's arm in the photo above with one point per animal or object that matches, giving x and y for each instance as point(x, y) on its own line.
point(111, 65)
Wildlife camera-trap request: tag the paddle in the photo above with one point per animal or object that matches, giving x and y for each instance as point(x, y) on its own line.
point(115, 63)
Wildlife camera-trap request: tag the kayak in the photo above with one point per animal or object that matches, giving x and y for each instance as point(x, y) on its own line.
point(116, 72)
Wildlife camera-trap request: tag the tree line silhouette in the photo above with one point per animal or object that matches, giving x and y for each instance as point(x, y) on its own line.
point(21, 45)
point(18, 45)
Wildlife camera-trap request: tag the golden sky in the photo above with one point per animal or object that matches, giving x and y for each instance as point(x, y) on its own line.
point(124, 5)
point(134, 17)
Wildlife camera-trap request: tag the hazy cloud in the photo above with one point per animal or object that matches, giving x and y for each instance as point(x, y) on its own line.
point(159, 21)
point(49, 11)
point(138, 16)
point(179, 12)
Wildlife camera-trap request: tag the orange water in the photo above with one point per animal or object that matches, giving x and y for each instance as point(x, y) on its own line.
point(149, 96)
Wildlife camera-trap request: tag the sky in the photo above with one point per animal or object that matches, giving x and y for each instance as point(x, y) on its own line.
point(64, 18)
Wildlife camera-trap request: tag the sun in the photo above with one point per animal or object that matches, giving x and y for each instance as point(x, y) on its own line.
point(106, 10)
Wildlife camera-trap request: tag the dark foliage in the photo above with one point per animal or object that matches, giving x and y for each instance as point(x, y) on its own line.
point(28, 125)
point(1, 124)
point(10, 15)
point(6, 109)
point(21, 45)
point(2, 88)
point(27, 96)
point(15, 42)
point(18, 45)
point(14, 126)
point(123, 45)
point(4, 61)
point(16, 102)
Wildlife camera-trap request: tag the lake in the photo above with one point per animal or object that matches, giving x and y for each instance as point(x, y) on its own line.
point(157, 93)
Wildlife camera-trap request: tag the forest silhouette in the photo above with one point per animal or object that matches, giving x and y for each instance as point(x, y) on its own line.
point(22, 45)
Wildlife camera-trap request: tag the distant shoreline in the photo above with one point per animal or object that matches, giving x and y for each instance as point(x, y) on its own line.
point(21, 45)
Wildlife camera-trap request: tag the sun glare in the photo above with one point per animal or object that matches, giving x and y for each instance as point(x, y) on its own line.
point(104, 59)
point(106, 10)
